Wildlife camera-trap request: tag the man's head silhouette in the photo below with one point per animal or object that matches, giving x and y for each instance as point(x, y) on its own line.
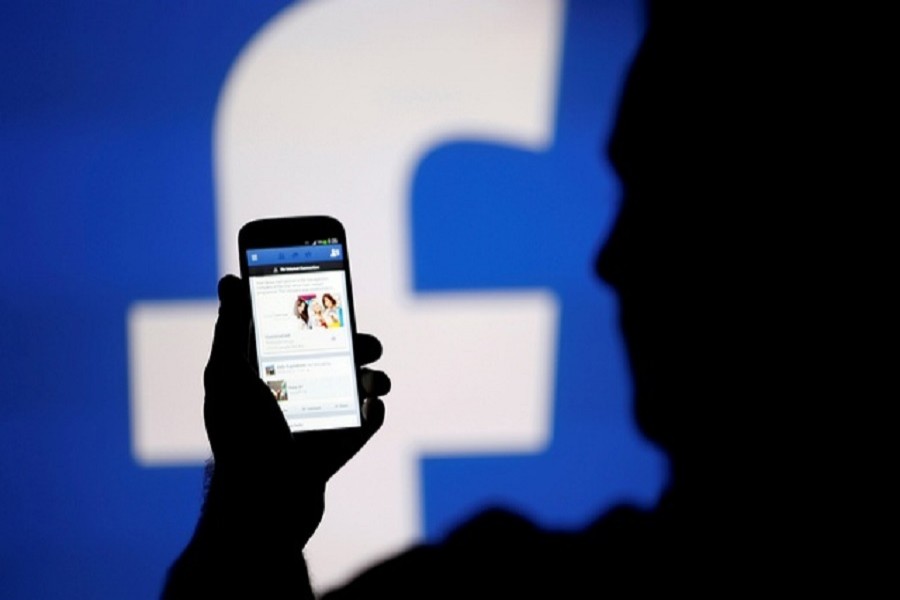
point(661, 255)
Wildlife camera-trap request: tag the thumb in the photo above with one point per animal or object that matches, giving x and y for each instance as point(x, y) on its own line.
point(232, 332)
point(243, 421)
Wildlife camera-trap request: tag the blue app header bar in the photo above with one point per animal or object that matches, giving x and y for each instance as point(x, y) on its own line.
point(295, 255)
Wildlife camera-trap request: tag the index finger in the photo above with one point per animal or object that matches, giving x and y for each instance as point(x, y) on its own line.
point(368, 348)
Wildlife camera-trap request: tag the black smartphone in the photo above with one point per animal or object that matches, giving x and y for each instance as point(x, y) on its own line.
point(298, 273)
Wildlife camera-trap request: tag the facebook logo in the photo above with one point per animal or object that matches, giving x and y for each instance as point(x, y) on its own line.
point(462, 145)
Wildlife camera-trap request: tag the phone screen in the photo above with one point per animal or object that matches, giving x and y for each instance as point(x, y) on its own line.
point(304, 349)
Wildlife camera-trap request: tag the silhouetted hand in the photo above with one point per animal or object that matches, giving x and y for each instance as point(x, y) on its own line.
point(265, 497)
point(257, 459)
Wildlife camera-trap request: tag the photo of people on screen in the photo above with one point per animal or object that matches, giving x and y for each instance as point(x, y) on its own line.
point(301, 311)
point(319, 311)
point(279, 389)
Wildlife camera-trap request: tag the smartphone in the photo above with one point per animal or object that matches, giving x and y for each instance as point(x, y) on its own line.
point(303, 325)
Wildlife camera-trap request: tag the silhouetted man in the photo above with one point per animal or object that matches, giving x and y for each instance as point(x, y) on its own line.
point(673, 258)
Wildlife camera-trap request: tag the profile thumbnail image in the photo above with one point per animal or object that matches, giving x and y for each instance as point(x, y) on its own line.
point(270, 370)
point(319, 311)
point(279, 389)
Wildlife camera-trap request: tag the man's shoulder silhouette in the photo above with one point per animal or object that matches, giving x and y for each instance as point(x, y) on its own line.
point(501, 554)
point(497, 552)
